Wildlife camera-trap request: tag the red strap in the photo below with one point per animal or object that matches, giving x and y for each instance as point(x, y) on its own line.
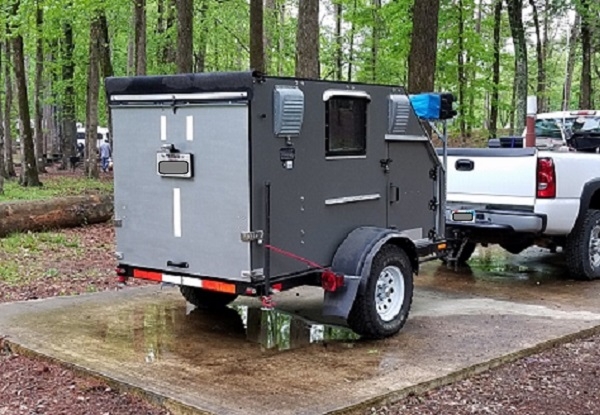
point(294, 256)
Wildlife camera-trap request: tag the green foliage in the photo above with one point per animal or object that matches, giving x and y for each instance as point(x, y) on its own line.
point(55, 187)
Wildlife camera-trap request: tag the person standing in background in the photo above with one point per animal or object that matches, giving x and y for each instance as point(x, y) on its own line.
point(105, 153)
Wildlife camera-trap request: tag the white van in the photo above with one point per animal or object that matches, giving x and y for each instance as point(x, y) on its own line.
point(102, 134)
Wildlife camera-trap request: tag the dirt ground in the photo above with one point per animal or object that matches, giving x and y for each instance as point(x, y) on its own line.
point(563, 380)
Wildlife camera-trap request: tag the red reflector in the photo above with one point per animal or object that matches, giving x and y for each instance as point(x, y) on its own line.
point(277, 287)
point(121, 278)
point(331, 281)
point(546, 178)
point(218, 286)
point(147, 275)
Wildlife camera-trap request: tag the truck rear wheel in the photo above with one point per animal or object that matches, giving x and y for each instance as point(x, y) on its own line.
point(206, 299)
point(383, 302)
point(583, 247)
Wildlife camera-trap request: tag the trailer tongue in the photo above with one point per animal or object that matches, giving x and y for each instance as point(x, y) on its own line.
point(231, 184)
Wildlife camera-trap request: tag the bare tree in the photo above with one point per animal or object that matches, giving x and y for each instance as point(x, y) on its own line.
point(585, 95)
point(105, 60)
point(29, 175)
point(496, 69)
point(462, 78)
point(541, 74)
point(2, 170)
point(307, 40)
point(257, 47)
point(185, 32)
point(515, 9)
point(140, 36)
point(423, 46)
point(339, 53)
point(39, 73)
point(93, 88)
point(375, 36)
point(69, 129)
point(566, 99)
point(8, 101)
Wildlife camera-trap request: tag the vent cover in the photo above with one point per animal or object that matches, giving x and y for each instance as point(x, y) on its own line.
point(399, 112)
point(288, 111)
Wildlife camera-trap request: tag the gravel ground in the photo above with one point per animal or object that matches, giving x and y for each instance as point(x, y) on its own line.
point(563, 380)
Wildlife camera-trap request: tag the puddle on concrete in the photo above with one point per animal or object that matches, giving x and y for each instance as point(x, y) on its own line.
point(159, 330)
point(493, 264)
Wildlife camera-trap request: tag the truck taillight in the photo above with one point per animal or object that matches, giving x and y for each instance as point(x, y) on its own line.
point(546, 178)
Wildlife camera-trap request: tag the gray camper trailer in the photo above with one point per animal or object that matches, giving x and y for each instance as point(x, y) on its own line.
point(231, 184)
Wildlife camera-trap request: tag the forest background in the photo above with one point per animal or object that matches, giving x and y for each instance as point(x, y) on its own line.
point(491, 54)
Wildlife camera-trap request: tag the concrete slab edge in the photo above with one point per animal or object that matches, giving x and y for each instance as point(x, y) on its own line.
point(176, 407)
point(179, 408)
point(393, 397)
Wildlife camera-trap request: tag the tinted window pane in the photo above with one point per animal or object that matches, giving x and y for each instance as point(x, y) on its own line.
point(346, 126)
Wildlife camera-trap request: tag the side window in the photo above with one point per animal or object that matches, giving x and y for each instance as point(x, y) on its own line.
point(346, 126)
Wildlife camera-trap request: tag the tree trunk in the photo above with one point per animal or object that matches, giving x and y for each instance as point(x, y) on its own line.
point(307, 40)
point(339, 41)
point(423, 46)
point(351, 49)
point(585, 94)
point(185, 32)
point(56, 213)
point(105, 63)
point(515, 9)
point(462, 79)
point(169, 51)
point(140, 36)
point(566, 101)
point(2, 169)
point(496, 69)
point(29, 176)
point(541, 82)
point(8, 100)
point(281, 40)
point(39, 73)
point(202, 39)
point(375, 37)
point(257, 51)
point(270, 28)
point(69, 129)
point(93, 90)
point(546, 52)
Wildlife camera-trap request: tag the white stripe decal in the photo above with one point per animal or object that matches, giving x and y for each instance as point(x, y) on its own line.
point(191, 282)
point(163, 127)
point(172, 279)
point(177, 212)
point(189, 127)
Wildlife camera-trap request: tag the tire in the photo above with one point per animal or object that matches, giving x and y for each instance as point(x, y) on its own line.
point(515, 248)
point(582, 250)
point(377, 319)
point(465, 255)
point(206, 299)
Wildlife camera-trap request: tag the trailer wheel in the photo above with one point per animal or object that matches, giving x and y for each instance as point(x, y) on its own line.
point(583, 247)
point(382, 304)
point(206, 299)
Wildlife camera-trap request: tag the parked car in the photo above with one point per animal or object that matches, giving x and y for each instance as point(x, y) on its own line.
point(519, 197)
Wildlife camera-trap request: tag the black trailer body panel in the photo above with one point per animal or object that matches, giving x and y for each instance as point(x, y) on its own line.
point(318, 202)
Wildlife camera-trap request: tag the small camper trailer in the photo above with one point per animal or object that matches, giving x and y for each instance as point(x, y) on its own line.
point(238, 183)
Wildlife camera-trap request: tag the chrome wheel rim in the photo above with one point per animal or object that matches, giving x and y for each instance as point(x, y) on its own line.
point(389, 293)
point(594, 247)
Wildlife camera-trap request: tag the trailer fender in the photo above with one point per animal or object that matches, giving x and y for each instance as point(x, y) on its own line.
point(353, 259)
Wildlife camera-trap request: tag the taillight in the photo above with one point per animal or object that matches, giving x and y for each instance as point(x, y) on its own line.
point(331, 281)
point(546, 178)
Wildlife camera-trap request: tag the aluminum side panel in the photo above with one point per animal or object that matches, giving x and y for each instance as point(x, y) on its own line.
point(197, 220)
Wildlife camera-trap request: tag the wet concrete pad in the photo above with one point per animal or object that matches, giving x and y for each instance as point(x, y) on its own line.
point(221, 363)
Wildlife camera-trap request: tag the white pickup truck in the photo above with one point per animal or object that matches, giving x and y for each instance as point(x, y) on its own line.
point(519, 197)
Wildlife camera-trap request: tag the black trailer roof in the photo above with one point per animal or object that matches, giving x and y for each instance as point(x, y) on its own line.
point(181, 83)
point(241, 81)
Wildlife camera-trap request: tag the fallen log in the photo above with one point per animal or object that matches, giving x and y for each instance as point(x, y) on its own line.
point(65, 212)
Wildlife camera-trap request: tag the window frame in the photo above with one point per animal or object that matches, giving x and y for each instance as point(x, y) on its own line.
point(354, 96)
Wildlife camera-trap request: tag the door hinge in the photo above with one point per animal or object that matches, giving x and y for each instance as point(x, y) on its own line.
point(385, 164)
point(433, 174)
point(433, 204)
point(252, 236)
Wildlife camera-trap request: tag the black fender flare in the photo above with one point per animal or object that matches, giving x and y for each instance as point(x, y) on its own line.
point(589, 189)
point(353, 259)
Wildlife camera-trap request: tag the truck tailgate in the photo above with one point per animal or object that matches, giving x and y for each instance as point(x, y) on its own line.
point(491, 177)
